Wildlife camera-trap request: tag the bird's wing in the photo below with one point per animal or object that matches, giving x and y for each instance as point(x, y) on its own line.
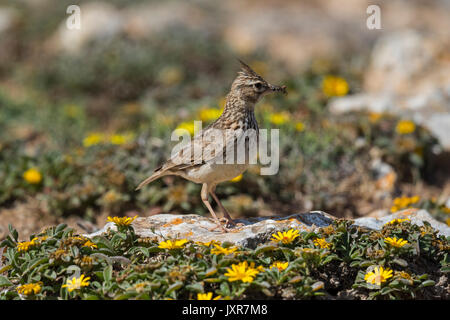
point(207, 146)
point(210, 145)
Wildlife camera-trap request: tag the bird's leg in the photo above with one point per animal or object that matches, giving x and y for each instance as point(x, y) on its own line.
point(204, 195)
point(222, 208)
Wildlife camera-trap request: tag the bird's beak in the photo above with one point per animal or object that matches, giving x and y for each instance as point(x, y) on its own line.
point(281, 89)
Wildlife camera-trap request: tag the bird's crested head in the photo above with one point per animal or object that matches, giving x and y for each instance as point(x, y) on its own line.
point(251, 87)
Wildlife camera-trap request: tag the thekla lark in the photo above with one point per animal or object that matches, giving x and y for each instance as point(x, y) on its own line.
point(203, 167)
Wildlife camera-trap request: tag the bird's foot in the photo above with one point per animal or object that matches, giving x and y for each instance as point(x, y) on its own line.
point(230, 223)
point(221, 226)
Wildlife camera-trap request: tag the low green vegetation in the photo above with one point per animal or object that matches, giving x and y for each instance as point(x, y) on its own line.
point(402, 261)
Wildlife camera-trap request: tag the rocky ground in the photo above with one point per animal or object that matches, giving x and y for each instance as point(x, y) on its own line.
point(256, 231)
point(403, 71)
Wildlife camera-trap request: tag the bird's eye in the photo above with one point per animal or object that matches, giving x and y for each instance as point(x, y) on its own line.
point(258, 86)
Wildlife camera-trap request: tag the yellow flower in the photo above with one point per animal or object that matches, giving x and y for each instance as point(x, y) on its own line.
point(405, 127)
point(93, 139)
point(242, 272)
point(397, 221)
point(30, 288)
point(279, 265)
point(209, 114)
point(300, 126)
point(279, 118)
point(169, 244)
point(404, 202)
point(286, 236)
point(237, 179)
point(378, 275)
point(124, 221)
point(401, 202)
point(334, 86)
point(76, 283)
point(186, 126)
point(220, 250)
point(322, 243)
point(38, 240)
point(24, 246)
point(398, 243)
point(119, 139)
point(447, 221)
point(90, 244)
point(32, 176)
point(207, 296)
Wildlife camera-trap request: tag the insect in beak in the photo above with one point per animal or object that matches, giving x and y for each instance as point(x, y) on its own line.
point(281, 89)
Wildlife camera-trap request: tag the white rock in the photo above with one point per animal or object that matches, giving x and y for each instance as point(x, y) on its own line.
point(406, 77)
point(99, 20)
point(255, 230)
point(7, 18)
point(416, 217)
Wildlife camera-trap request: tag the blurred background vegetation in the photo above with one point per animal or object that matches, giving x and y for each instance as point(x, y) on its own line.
point(85, 115)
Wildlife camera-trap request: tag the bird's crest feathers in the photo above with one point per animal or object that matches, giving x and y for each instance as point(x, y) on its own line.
point(248, 73)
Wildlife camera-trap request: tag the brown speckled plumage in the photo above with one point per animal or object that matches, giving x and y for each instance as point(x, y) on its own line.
point(238, 115)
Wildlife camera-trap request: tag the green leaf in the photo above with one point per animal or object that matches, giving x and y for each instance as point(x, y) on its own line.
point(124, 296)
point(6, 268)
point(400, 262)
point(154, 249)
point(118, 236)
point(107, 273)
point(60, 227)
point(365, 264)
point(4, 282)
point(50, 274)
point(428, 283)
point(34, 263)
point(195, 287)
point(445, 269)
point(225, 288)
point(354, 264)
point(177, 285)
point(13, 232)
point(423, 277)
point(265, 248)
point(395, 284)
point(144, 251)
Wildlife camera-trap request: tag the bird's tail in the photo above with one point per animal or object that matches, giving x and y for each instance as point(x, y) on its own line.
point(153, 177)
